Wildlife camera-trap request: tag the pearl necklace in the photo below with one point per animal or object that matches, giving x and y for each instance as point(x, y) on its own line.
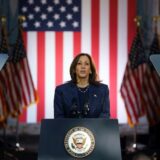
point(83, 90)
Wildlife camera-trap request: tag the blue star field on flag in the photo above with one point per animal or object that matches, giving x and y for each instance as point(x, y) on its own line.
point(51, 15)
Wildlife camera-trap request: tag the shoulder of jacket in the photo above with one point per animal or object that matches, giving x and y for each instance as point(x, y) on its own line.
point(102, 85)
point(64, 85)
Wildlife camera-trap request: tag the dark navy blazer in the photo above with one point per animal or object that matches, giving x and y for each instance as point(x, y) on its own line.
point(67, 94)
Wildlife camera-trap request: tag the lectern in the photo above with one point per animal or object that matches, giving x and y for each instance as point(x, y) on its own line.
point(79, 139)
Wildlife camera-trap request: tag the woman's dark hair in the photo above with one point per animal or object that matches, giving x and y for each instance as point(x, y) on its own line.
point(93, 77)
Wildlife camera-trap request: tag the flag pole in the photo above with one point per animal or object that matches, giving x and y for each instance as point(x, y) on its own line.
point(21, 19)
point(132, 145)
point(133, 148)
point(18, 146)
point(135, 138)
point(138, 23)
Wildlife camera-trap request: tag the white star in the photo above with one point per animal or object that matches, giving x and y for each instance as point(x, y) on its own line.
point(30, 16)
point(50, 9)
point(75, 24)
point(69, 1)
point(24, 9)
point(56, 16)
point(43, 1)
point(62, 9)
point(62, 24)
point(37, 24)
point(30, 1)
point(56, 1)
point(37, 9)
point(43, 16)
point(75, 9)
point(24, 24)
point(50, 24)
point(69, 16)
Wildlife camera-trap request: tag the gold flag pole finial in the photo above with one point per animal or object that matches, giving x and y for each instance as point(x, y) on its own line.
point(155, 20)
point(21, 19)
point(3, 20)
point(138, 19)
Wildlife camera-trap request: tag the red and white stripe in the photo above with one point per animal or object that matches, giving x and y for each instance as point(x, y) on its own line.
point(131, 91)
point(151, 96)
point(107, 31)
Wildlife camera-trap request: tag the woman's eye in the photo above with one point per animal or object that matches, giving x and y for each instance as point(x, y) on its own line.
point(78, 63)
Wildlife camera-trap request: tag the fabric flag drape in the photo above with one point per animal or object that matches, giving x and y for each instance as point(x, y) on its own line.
point(151, 87)
point(3, 86)
point(141, 84)
point(23, 79)
point(131, 88)
point(17, 88)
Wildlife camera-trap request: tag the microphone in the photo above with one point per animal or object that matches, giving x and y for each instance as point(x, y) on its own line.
point(85, 110)
point(74, 113)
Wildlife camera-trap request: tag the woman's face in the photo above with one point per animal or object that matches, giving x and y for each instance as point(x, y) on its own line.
point(83, 68)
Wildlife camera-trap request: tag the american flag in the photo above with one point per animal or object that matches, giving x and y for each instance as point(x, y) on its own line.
point(16, 85)
point(57, 30)
point(151, 86)
point(23, 80)
point(131, 88)
point(3, 86)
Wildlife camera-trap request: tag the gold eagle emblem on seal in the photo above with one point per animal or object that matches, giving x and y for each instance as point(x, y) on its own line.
point(79, 142)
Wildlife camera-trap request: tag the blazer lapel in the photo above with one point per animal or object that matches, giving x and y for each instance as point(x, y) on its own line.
point(93, 95)
point(75, 93)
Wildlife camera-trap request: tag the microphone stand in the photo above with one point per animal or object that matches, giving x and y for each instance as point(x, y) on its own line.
point(18, 147)
point(85, 109)
point(74, 112)
point(77, 114)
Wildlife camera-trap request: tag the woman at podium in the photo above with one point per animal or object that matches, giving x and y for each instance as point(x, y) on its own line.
point(84, 96)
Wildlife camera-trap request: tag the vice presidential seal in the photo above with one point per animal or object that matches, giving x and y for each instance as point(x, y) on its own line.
point(79, 142)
